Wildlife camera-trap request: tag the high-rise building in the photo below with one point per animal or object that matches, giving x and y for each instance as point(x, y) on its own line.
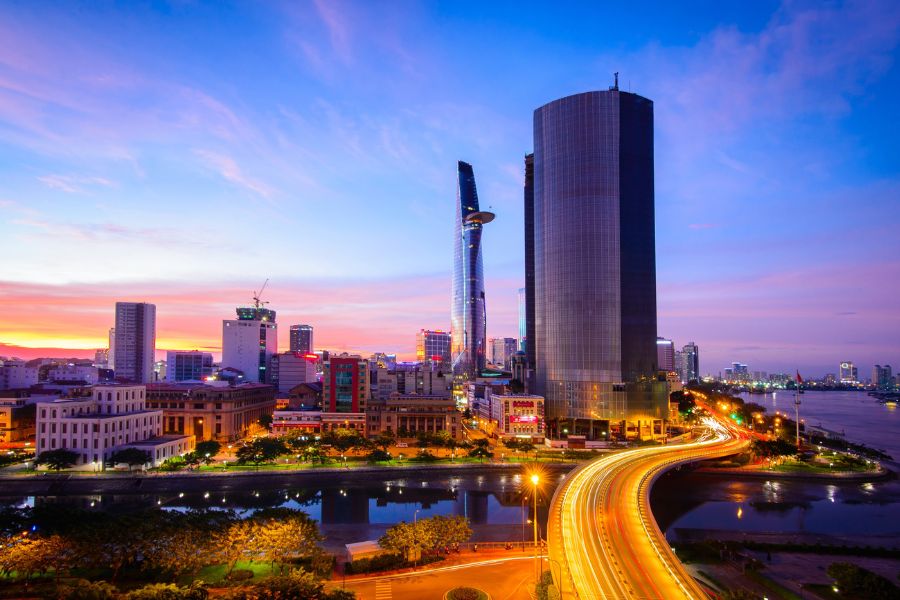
point(523, 325)
point(295, 368)
point(848, 373)
point(665, 354)
point(594, 266)
point(135, 341)
point(301, 339)
point(249, 342)
point(345, 384)
point(111, 352)
point(690, 357)
point(528, 197)
point(882, 377)
point(468, 316)
point(433, 347)
point(190, 365)
point(502, 349)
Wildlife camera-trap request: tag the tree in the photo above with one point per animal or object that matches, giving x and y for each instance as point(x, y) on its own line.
point(385, 440)
point(525, 447)
point(408, 538)
point(449, 531)
point(855, 581)
point(260, 450)
point(207, 450)
point(481, 449)
point(424, 441)
point(58, 459)
point(266, 421)
point(132, 457)
point(282, 533)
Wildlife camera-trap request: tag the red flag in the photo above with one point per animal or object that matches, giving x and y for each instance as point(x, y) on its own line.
point(799, 379)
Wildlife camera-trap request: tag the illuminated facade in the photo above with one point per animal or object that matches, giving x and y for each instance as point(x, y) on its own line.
point(594, 263)
point(468, 315)
point(848, 372)
point(301, 339)
point(665, 354)
point(249, 342)
point(433, 347)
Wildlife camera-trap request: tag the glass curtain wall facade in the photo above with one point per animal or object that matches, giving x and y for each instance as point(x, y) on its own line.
point(468, 313)
point(594, 258)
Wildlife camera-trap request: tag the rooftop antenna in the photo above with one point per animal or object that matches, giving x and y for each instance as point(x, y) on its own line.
point(616, 75)
point(257, 295)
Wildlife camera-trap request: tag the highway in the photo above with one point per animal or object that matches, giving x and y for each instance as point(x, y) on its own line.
point(603, 540)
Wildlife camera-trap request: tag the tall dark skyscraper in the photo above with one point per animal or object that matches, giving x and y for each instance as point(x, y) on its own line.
point(468, 315)
point(301, 339)
point(529, 266)
point(594, 268)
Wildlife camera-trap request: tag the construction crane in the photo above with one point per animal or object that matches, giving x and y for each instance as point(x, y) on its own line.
point(257, 295)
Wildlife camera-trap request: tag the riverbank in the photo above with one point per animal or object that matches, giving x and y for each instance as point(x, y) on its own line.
point(752, 472)
point(47, 484)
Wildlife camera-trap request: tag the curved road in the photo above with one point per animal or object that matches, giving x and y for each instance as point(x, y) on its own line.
point(602, 534)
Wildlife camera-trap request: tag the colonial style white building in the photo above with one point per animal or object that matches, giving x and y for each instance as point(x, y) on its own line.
point(112, 418)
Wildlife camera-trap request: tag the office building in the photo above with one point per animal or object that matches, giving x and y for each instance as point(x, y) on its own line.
point(249, 342)
point(72, 373)
point(519, 416)
point(112, 418)
point(135, 341)
point(211, 411)
point(101, 358)
point(411, 414)
point(848, 373)
point(523, 324)
point(594, 276)
point(690, 362)
point(433, 347)
point(665, 354)
point(188, 365)
point(301, 339)
point(15, 375)
point(882, 377)
point(468, 351)
point(409, 379)
point(502, 350)
point(111, 351)
point(345, 384)
point(528, 197)
point(295, 368)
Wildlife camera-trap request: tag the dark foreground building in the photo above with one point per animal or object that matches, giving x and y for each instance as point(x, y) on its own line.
point(592, 251)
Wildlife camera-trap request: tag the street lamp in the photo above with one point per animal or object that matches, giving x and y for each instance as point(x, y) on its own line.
point(535, 479)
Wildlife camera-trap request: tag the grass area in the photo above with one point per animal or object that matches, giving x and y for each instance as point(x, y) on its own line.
point(711, 580)
point(822, 590)
point(215, 574)
point(778, 590)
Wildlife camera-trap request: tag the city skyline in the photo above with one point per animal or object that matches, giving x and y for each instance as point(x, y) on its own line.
point(757, 260)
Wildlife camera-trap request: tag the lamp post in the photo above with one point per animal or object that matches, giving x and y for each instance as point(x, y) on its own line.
point(535, 479)
point(415, 537)
point(524, 499)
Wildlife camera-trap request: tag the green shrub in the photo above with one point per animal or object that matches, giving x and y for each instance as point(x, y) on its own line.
point(855, 580)
point(464, 593)
point(168, 591)
point(83, 589)
point(240, 575)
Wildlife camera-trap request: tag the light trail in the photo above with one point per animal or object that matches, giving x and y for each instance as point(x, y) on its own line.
point(603, 533)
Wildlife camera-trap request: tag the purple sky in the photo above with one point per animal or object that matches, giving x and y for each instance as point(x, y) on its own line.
point(182, 153)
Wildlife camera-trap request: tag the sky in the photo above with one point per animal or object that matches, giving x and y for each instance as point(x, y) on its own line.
point(184, 152)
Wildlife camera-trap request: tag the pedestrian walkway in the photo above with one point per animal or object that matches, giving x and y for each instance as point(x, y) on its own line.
point(383, 590)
